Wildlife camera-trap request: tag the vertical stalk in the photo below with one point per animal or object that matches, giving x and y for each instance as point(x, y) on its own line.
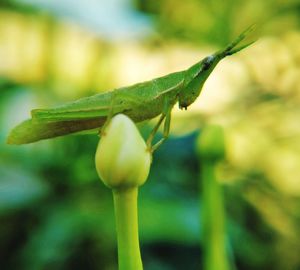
point(213, 215)
point(125, 204)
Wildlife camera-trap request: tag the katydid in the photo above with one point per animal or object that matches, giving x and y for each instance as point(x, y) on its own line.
point(140, 102)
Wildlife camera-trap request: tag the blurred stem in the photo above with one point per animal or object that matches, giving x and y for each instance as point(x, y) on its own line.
point(213, 218)
point(125, 203)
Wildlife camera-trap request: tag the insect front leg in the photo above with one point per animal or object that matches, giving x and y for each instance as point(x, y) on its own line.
point(166, 131)
point(166, 117)
point(154, 131)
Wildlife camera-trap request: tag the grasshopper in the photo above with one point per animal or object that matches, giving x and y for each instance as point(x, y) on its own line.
point(140, 102)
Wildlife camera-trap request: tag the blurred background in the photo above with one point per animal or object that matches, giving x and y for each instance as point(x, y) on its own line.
point(54, 211)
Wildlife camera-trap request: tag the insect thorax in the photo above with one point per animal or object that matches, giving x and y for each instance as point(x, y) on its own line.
point(190, 92)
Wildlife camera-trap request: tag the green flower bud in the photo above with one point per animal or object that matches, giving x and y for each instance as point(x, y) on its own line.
point(122, 157)
point(211, 143)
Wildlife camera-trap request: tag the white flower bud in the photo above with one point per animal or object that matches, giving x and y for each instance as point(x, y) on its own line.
point(122, 158)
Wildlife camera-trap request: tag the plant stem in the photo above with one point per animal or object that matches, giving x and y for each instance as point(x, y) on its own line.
point(213, 215)
point(125, 203)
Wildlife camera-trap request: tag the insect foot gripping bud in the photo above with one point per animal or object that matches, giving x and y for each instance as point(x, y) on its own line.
point(122, 159)
point(211, 144)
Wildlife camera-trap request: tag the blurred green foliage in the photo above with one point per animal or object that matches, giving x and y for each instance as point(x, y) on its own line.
point(56, 214)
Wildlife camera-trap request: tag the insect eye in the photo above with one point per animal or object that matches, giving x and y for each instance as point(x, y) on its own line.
point(207, 62)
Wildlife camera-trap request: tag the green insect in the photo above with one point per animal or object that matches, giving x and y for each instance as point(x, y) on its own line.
point(140, 102)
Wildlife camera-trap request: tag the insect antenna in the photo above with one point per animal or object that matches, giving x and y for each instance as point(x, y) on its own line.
point(241, 48)
point(229, 50)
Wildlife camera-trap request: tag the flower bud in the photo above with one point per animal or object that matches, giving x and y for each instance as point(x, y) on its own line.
point(211, 143)
point(122, 158)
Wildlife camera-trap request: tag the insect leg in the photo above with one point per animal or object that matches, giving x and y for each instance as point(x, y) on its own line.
point(109, 115)
point(166, 131)
point(154, 130)
point(166, 117)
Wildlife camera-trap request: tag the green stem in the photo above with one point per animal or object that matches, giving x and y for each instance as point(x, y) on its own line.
point(213, 215)
point(125, 203)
